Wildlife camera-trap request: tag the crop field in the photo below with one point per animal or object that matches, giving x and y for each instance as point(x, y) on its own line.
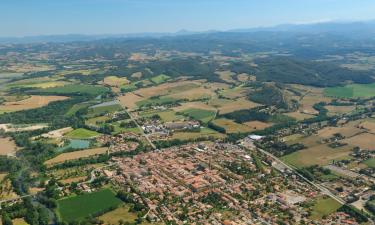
point(44, 82)
point(299, 115)
point(167, 88)
point(200, 114)
point(7, 146)
point(226, 76)
point(156, 101)
point(195, 105)
point(228, 106)
point(231, 127)
point(76, 89)
point(129, 100)
point(160, 79)
point(96, 120)
point(204, 132)
point(193, 94)
point(234, 93)
point(100, 110)
point(337, 110)
point(324, 206)
point(121, 213)
point(76, 155)
point(81, 206)
point(368, 125)
point(364, 141)
point(166, 115)
point(258, 125)
point(317, 155)
point(115, 81)
point(75, 108)
point(82, 133)
point(35, 101)
point(352, 91)
point(346, 131)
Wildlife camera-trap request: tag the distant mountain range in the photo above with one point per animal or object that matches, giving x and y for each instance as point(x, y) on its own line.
point(365, 29)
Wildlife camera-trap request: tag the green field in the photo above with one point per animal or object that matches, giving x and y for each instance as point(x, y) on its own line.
point(200, 114)
point(103, 110)
point(82, 206)
point(75, 108)
point(160, 79)
point(351, 91)
point(324, 207)
point(156, 101)
point(81, 133)
point(370, 162)
point(75, 89)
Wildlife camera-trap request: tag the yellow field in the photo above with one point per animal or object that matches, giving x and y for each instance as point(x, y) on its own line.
point(2, 176)
point(35, 101)
point(368, 125)
point(226, 76)
point(205, 132)
point(19, 221)
point(6, 190)
point(228, 106)
point(336, 110)
point(7, 146)
point(193, 94)
point(234, 93)
point(115, 81)
point(76, 155)
point(243, 77)
point(194, 105)
point(346, 131)
point(47, 84)
point(299, 115)
point(121, 212)
point(231, 126)
point(167, 88)
point(129, 99)
point(364, 141)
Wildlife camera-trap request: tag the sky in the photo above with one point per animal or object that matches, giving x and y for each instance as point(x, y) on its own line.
point(48, 17)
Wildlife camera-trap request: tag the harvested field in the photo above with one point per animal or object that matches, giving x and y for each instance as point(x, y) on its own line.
point(364, 141)
point(74, 179)
point(121, 213)
point(346, 131)
point(76, 155)
point(336, 110)
point(299, 115)
point(35, 101)
point(7, 147)
point(318, 155)
point(238, 104)
point(57, 133)
point(115, 81)
point(232, 127)
point(19, 128)
point(226, 76)
point(196, 105)
point(205, 132)
point(234, 93)
point(258, 125)
point(129, 100)
point(307, 103)
point(368, 125)
point(167, 88)
point(193, 94)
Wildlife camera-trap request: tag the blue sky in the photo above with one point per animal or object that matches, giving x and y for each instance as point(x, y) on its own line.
point(37, 17)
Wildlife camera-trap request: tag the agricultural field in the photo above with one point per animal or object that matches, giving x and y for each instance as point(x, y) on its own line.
point(75, 108)
point(129, 100)
point(81, 206)
point(35, 101)
point(337, 110)
point(103, 108)
point(364, 141)
point(7, 146)
point(258, 125)
point(160, 79)
point(75, 89)
point(76, 155)
point(232, 127)
point(324, 206)
point(115, 81)
point(317, 155)
point(82, 133)
point(204, 132)
point(121, 213)
point(199, 114)
point(299, 115)
point(351, 91)
point(226, 76)
point(167, 88)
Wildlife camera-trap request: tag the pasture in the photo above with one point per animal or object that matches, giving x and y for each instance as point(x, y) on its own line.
point(299, 115)
point(160, 79)
point(199, 114)
point(337, 110)
point(121, 213)
point(364, 141)
point(115, 81)
point(351, 91)
point(257, 125)
point(204, 132)
point(7, 146)
point(82, 133)
point(231, 127)
point(35, 101)
point(324, 206)
point(82, 206)
point(129, 100)
point(76, 155)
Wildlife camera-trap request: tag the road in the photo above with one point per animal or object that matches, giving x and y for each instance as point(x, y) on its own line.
point(323, 189)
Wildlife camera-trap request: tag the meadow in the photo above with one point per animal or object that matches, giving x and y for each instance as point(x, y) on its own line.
point(324, 206)
point(35, 101)
point(82, 133)
point(160, 79)
point(199, 114)
point(351, 91)
point(7, 146)
point(75, 89)
point(231, 127)
point(76, 155)
point(82, 206)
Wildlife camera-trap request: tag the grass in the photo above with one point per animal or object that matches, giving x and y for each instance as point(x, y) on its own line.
point(75, 89)
point(121, 213)
point(75, 108)
point(81, 133)
point(351, 91)
point(324, 207)
point(160, 79)
point(76, 155)
point(232, 127)
point(103, 110)
point(204, 132)
point(82, 206)
point(370, 162)
point(156, 101)
point(200, 114)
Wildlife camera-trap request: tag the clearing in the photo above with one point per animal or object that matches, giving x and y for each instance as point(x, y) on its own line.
point(7, 147)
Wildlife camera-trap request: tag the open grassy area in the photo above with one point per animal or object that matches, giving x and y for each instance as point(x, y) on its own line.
point(351, 91)
point(324, 207)
point(231, 127)
point(200, 114)
point(95, 111)
point(75, 108)
point(370, 162)
point(160, 79)
point(81, 133)
point(75, 89)
point(76, 155)
point(121, 213)
point(156, 101)
point(35, 101)
point(204, 132)
point(79, 207)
